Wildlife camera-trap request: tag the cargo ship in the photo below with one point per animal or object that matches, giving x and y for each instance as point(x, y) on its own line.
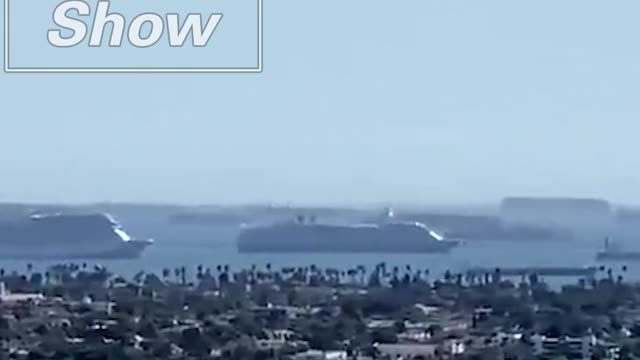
point(304, 234)
point(486, 228)
point(614, 253)
point(67, 236)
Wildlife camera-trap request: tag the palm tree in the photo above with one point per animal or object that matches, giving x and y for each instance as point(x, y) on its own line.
point(200, 272)
point(183, 275)
point(497, 275)
point(447, 275)
point(176, 273)
point(459, 279)
point(582, 283)
point(36, 279)
point(29, 267)
point(138, 277)
point(363, 272)
point(352, 274)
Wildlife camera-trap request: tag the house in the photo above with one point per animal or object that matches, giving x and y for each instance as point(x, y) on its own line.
point(381, 324)
point(407, 351)
point(14, 298)
point(321, 355)
point(578, 348)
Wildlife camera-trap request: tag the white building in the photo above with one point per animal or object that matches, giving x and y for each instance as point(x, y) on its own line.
point(8, 298)
point(321, 355)
point(407, 351)
point(578, 348)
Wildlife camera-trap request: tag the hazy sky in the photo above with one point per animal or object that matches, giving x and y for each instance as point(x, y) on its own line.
point(359, 101)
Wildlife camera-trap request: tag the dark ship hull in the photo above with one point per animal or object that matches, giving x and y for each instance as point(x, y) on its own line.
point(318, 238)
point(618, 256)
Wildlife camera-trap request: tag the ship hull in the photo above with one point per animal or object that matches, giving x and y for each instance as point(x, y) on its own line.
point(340, 239)
point(620, 256)
point(337, 250)
point(126, 250)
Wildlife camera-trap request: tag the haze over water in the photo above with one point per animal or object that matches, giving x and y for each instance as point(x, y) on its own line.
point(360, 101)
point(188, 245)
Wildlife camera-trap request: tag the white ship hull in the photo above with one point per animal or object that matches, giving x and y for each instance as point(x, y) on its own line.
point(67, 237)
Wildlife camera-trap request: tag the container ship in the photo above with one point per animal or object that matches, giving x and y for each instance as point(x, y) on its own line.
point(67, 236)
point(486, 228)
point(304, 234)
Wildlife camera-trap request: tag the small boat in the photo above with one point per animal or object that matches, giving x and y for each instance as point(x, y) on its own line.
point(614, 253)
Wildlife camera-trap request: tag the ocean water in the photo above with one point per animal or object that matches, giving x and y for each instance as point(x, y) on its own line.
point(209, 246)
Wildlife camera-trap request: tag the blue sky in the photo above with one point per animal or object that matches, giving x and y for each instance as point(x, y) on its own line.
point(360, 101)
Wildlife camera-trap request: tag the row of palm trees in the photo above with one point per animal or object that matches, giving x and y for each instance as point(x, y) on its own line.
point(355, 275)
